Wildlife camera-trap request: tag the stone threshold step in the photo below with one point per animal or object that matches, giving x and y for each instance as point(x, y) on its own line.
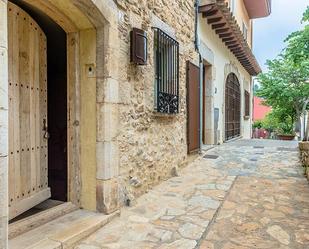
point(36, 220)
point(63, 232)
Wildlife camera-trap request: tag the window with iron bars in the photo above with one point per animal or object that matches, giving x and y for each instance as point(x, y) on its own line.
point(247, 104)
point(245, 31)
point(166, 59)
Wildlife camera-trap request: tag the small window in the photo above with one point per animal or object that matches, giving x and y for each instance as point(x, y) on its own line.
point(247, 104)
point(166, 59)
point(245, 31)
point(232, 4)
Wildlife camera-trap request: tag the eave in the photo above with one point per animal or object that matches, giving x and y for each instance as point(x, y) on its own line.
point(222, 21)
point(258, 8)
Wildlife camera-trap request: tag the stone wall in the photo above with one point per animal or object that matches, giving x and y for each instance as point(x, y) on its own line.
point(304, 156)
point(151, 146)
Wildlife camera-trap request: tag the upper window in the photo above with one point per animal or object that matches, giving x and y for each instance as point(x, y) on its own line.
point(232, 5)
point(245, 31)
point(166, 59)
point(247, 104)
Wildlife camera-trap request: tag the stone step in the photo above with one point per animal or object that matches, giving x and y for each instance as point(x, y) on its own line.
point(63, 232)
point(34, 221)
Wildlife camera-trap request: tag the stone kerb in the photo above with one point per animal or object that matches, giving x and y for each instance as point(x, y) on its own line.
point(304, 156)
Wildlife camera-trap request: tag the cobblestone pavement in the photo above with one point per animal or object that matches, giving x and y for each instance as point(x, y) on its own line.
point(249, 194)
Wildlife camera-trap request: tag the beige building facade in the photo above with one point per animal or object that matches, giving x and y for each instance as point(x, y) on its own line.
point(102, 129)
point(225, 41)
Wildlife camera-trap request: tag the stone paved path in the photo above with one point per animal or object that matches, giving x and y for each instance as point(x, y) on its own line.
point(253, 195)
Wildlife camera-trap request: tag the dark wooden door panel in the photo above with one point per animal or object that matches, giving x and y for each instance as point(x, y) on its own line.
point(193, 107)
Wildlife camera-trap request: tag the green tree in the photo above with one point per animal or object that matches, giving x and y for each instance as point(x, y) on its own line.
point(285, 86)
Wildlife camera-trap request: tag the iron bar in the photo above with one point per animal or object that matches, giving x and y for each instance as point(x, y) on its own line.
point(167, 72)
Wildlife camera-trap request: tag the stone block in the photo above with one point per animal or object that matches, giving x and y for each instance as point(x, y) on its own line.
point(3, 232)
point(108, 195)
point(304, 146)
point(3, 24)
point(111, 62)
point(3, 133)
point(209, 136)
point(157, 22)
point(47, 244)
point(107, 160)
point(107, 121)
point(109, 10)
point(3, 186)
point(111, 91)
point(108, 46)
point(209, 110)
point(111, 37)
point(100, 89)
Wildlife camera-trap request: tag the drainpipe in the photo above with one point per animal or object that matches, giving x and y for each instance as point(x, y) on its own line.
point(197, 48)
point(201, 103)
point(196, 40)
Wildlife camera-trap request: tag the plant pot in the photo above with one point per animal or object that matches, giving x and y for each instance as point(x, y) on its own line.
point(286, 137)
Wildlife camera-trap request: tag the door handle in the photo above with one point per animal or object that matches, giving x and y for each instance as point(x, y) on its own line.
point(45, 129)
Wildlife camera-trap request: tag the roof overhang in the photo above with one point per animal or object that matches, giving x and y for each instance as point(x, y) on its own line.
point(258, 8)
point(221, 20)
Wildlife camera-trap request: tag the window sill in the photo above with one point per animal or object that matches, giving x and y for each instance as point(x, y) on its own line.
point(163, 115)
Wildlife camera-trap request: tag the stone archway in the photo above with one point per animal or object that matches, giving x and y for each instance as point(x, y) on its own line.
point(100, 180)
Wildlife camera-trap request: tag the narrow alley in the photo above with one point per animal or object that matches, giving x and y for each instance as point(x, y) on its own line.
point(242, 194)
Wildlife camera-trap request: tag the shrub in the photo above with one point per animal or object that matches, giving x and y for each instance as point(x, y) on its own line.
point(257, 124)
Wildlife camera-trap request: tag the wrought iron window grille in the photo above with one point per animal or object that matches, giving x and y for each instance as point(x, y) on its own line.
point(247, 104)
point(166, 59)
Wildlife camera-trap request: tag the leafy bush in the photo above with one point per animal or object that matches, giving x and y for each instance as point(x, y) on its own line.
point(270, 122)
point(257, 124)
point(279, 120)
point(285, 128)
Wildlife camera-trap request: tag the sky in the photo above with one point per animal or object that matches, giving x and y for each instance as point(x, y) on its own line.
point(269, 33)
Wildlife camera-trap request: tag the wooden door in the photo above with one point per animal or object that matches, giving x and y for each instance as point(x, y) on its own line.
point(232, 107)
point(28, 183)
point(204, 105)
point(193, 107)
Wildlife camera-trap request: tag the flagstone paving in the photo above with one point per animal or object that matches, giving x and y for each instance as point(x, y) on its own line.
point(254, 195)
point(262, 213)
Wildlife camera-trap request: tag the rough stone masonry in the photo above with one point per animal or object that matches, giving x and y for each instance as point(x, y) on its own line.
point(151, 146)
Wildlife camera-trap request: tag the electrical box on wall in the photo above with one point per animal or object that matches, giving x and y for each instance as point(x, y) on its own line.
point(138, 46)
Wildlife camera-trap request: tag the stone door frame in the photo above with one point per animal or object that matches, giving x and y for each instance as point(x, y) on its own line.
point(103, 15)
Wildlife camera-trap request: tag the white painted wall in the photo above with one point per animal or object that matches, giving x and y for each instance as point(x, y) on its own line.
point(223, 57)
